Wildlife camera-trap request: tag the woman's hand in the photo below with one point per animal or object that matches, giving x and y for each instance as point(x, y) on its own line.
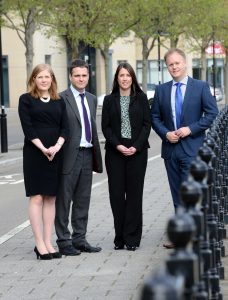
point(132, 150)
point(53, 150)
point(126, 151)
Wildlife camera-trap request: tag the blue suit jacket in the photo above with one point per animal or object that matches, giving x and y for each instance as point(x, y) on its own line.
point(198, 112)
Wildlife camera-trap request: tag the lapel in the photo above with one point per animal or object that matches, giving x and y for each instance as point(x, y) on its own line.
point(72, 103)
point(132, 100)
point(90, 103)
point(168, 98)
point(117, 104)
point(187, 96)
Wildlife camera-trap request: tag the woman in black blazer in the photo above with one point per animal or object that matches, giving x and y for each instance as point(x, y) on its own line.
point(126, 126)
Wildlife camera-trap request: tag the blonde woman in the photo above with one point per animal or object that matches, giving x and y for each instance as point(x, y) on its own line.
point(43, 118)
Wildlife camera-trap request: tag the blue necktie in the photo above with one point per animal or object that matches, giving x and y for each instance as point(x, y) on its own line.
point(178, 103)
point(86, 120)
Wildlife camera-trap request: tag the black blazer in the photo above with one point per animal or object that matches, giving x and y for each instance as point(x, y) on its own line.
point(139, 114)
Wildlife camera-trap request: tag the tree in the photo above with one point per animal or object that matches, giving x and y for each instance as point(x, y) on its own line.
point(222, 35)
point(23, 17)
point(201, 27)
point(146, 30)
point(156, 24)
point(116, 20)
point(95, 23)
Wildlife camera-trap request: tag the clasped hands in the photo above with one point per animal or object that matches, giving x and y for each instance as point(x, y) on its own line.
point(51, 151)
point(175, 136)
point(126, 151)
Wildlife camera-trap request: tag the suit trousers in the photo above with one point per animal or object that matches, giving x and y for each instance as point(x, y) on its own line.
point(126, 180)
point(75, 188)
point(177, 168)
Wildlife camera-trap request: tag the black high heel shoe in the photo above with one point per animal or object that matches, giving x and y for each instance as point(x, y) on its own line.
point(56, 255)
point(46, 256)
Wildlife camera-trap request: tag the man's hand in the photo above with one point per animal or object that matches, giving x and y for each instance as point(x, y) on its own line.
point(172, 137)
point(183, 132)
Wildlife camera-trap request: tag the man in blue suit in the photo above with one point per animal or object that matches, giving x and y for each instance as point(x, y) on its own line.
point(181, 112)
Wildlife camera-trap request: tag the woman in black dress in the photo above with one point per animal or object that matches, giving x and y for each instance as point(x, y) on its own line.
point(44, 122)
point(126, 126)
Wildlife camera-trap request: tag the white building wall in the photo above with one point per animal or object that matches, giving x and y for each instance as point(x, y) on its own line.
point(14, 49)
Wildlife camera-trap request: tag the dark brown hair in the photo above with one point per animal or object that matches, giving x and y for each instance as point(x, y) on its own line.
point(78, 63)
point(32, 87)
point(174, 50)
point(135, 88)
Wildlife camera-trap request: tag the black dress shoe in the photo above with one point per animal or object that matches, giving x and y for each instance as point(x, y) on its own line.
point(56, 254)
point(131, 248)
point(119, 247)
point(69, 250)
point(88, 248)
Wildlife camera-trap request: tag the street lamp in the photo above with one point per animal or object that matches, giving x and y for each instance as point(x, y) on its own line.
point(213, 66)
point(4, 141)
point(159, 59)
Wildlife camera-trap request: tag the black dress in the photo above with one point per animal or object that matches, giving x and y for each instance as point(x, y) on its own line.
point(46, 121)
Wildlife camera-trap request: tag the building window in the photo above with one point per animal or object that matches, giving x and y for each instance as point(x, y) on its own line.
point(152, 74)
point(47, 59)
point(219, 71)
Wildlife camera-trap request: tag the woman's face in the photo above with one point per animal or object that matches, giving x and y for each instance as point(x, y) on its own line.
point(43, 81)
point(124, 79)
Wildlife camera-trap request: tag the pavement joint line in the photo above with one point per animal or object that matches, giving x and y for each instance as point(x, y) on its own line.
point(24, 225)
point(154, 157)
point(10, 160)
point(13, 232)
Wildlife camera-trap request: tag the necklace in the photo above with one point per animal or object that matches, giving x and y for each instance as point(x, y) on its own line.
point(45, 99)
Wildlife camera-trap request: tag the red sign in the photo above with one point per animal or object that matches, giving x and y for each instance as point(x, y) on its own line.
point(218, 49)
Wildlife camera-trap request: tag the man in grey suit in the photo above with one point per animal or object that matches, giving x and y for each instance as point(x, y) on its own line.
point(81, 156)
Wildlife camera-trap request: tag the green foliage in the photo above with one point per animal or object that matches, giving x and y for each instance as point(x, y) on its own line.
point(95, 23)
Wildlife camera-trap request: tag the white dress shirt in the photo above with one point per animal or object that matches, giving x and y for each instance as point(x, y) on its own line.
point(184, 82)
point(77, 98)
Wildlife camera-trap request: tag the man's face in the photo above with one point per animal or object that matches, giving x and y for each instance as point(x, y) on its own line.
point(177, 66)
point(79, 78)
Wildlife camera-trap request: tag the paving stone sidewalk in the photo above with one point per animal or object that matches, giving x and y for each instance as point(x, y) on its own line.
point(110, 274)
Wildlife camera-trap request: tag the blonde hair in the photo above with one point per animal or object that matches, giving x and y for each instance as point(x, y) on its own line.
point(32, 87)
point(174, 50)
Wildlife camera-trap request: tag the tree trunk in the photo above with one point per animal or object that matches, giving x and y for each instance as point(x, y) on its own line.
point(203, 65)
point(226, 78)
point(173, 42)
point(144, 63)
point(74, 52)
point(105, 55)
point(29, 32)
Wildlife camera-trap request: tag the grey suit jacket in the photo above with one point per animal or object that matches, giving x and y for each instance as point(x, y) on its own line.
point(71, 147)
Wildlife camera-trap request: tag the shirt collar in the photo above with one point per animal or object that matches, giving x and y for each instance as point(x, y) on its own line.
point(75, 91)
point(183, 81)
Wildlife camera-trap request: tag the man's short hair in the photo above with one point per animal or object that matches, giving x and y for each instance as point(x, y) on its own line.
point(78, 63)
point(174, 50)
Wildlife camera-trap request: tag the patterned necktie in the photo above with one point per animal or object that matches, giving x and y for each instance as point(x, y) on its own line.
point(178, 103)
point(86, 120)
